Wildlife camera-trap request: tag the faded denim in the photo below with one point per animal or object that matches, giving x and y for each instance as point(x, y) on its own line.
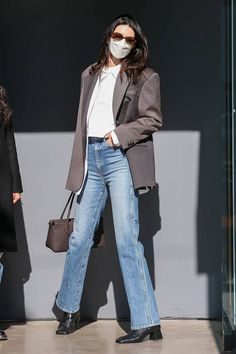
point(108, 172)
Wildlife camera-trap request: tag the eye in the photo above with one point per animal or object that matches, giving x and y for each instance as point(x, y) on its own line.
point(130, 41)
point(117, 36)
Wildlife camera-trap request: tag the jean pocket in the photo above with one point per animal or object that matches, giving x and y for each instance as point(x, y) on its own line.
point(108, 145)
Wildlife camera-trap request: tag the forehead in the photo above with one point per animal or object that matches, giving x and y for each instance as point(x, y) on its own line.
point(125, 30)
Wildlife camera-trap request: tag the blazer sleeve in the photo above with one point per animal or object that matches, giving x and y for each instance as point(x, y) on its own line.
point(14, 165)
point(149, 117)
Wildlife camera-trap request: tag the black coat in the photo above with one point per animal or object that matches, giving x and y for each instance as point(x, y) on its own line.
point(10, 181)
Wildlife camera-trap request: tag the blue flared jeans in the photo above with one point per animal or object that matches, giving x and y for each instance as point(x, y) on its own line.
point(108, 172)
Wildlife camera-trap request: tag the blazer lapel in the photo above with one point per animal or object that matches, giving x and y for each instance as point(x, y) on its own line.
point(89, 84)
point(119, 91)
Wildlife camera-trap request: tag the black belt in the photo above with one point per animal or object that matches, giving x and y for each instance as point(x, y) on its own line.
point(95, 139)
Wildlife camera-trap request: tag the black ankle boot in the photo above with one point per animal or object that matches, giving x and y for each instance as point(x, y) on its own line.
point(3, 335)
point(69, 323)
point(138, 335)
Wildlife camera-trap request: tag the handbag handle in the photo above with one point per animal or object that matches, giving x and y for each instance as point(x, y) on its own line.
point(69, 201)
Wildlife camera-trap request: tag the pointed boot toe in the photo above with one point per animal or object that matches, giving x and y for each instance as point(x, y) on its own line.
point(3, 335)
point(138, 335)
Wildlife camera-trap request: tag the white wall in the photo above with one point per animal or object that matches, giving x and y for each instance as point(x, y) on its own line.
point(170, 230)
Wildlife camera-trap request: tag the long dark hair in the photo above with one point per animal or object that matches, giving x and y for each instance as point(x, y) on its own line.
point(5, 111)
point(135, 62)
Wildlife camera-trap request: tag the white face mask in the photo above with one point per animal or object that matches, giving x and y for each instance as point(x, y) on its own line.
point(119, 49)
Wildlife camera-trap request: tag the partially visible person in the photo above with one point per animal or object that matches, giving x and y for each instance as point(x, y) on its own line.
point(10, 182)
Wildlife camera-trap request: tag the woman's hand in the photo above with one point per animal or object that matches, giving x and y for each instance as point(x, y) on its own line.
point(16, 197)
point(109, 140)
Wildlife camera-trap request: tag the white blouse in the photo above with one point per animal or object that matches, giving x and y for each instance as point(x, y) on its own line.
point(100, 118)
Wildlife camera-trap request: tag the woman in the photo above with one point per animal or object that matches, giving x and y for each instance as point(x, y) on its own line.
point(113, 154)
point(10, 182)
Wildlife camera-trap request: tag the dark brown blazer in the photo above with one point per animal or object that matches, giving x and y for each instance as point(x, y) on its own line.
point(137, 113)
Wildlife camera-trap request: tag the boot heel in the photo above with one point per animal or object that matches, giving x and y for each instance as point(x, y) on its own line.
point(155, 335)
point(77, 320)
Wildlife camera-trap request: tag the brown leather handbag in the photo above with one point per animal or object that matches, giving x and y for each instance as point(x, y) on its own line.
point(59, 230)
